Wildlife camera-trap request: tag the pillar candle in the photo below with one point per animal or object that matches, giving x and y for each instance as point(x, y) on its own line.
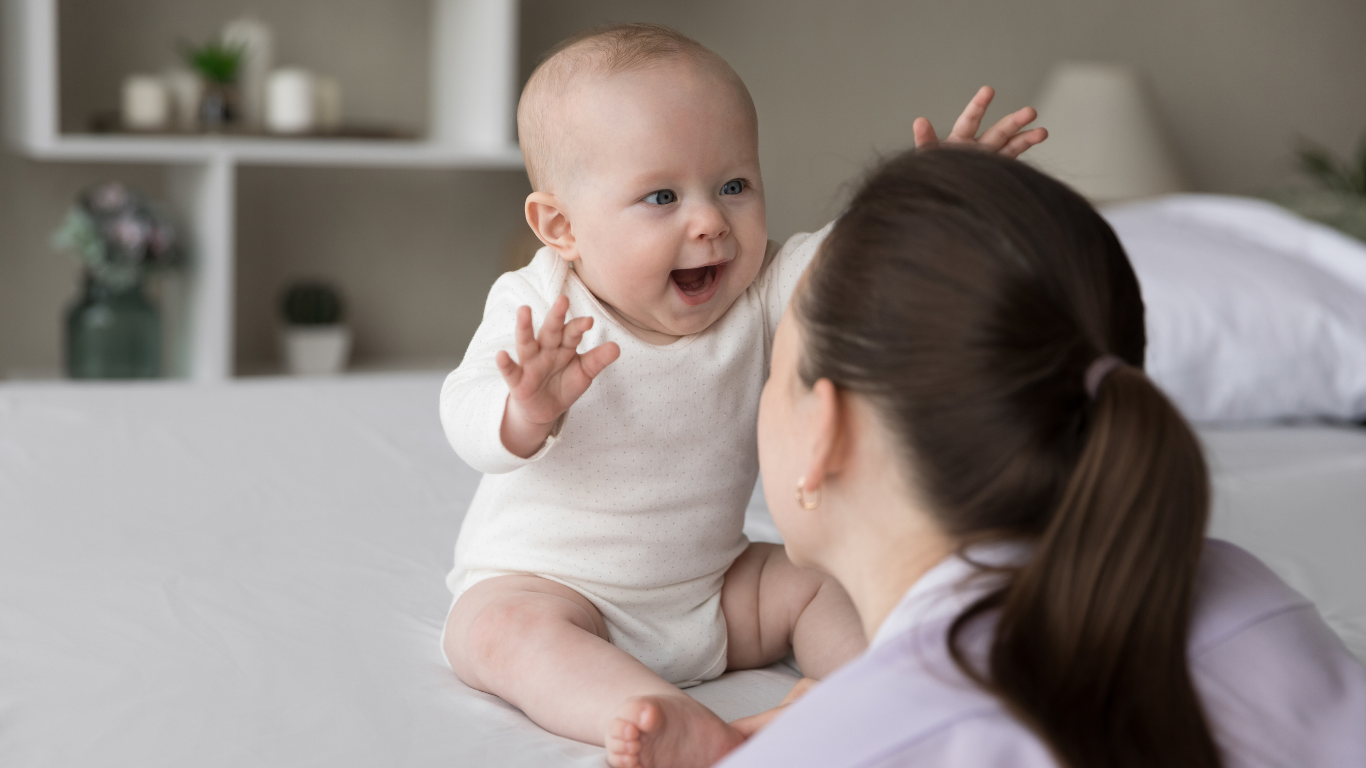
point(290, 101)
point(258, 57)
point(146, 105)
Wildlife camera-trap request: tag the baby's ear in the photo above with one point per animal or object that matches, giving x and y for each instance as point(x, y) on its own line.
point(546, 216)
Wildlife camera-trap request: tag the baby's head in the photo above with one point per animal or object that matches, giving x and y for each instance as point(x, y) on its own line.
point(642, 148)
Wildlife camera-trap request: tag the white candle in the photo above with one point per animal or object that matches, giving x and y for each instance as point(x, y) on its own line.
point(290, 103)
point(327, 96)
point(185, 89)
point(258, 56)
point(146, 105)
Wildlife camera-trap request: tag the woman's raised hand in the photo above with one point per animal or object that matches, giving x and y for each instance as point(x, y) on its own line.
point(548, 376)
point(1007, 137)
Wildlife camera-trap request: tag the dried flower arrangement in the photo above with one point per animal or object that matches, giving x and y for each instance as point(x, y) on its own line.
point(119, 236)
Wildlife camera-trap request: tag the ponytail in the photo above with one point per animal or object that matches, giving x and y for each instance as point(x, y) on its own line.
point(1090, 644)
point(967, 297)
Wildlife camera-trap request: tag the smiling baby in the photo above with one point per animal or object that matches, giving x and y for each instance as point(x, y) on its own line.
point(601, 566)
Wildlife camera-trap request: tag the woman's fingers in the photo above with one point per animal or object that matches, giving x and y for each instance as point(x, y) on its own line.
point(971, 119)
point(1022, 141)
point(1006, 128)
point(799, 690)
point(924, 134)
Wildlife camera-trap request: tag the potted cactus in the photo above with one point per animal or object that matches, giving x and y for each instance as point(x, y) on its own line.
point(314, 340)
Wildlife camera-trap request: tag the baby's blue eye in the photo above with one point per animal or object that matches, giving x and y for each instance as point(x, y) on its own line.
point(661, 197)
point(733, 187)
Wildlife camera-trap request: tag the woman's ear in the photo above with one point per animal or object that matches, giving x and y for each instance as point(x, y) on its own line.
point(826, 424)
point(546, 216)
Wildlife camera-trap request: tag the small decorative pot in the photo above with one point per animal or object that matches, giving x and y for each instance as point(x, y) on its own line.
point(112, 334)
point(315, 350)
point(217, 107)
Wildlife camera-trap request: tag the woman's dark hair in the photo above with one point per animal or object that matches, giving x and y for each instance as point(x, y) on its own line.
point(966, 295)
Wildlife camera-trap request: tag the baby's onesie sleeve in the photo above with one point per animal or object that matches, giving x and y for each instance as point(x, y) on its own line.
point(782, 273)
point(474, 395)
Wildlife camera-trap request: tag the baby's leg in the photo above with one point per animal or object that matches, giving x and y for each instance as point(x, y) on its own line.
point(773, 607)
point(544, 648)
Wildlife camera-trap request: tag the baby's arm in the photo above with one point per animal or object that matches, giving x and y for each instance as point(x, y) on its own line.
point(475, 397)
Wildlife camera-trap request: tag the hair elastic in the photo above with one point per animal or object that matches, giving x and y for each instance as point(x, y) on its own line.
point(1097, 372)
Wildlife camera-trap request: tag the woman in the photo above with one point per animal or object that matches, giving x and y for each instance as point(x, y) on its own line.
point(1018, 513)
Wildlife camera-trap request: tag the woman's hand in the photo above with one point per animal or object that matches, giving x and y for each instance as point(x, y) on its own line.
point(1007, 137)
point(748, 726)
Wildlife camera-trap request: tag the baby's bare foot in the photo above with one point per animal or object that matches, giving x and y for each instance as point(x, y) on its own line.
point(667, 732)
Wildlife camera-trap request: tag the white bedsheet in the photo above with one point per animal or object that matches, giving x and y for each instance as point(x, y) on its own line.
point(251, 574)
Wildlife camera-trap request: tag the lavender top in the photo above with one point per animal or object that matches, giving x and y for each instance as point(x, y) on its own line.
point(1278, 686)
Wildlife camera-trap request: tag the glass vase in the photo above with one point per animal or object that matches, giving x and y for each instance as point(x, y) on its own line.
point(112, 334)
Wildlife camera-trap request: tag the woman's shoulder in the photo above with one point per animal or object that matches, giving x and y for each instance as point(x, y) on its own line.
point(1274, 679)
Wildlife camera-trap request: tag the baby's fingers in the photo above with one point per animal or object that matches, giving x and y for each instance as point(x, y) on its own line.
point(526, 340)
point(574, 330)
point(598, 358)
point(924, 133)
point(552, 328)
point(512, 372)
point(1022, 141)
point(998, 135)
point(971, 119)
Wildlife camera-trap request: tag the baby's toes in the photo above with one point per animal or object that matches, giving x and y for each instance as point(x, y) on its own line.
point(623, 744)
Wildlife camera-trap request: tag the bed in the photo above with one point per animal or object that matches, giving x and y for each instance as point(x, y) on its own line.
point(248, 574)
point(251, 573)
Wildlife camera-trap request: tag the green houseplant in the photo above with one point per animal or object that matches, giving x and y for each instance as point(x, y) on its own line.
point(315, 341)
point(217, 64)
point(1336, 195)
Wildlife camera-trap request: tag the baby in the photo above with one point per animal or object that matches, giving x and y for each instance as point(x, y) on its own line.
point(601, 566)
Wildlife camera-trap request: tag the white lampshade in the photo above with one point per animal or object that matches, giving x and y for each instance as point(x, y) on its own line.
point(1103, 137)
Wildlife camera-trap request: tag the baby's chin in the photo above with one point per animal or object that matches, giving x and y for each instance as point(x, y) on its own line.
point(689, 318)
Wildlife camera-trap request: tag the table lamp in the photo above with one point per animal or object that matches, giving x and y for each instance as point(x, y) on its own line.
point(1103, 136)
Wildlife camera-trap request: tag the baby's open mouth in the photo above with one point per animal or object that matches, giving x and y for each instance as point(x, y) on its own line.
point(697, 283)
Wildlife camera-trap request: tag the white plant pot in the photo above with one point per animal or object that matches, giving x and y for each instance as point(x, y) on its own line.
point(315, 350)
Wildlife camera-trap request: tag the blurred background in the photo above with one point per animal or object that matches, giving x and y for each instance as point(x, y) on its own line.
point(1233, 86)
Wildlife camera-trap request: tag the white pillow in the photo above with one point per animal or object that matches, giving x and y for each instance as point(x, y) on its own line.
point(1253, 312)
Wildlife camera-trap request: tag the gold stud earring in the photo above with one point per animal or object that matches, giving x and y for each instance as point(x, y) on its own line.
point(801, 495)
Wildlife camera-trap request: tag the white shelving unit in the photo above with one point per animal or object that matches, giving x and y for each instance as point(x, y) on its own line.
point(474, 71)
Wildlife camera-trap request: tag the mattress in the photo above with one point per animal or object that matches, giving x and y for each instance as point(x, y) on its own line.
point(251, 574)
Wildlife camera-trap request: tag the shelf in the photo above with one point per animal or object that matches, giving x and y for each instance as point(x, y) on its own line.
point(265, 150)
point(364, 367)
point(473, 98)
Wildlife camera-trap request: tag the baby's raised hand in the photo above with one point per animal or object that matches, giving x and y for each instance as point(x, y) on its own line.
point(1006, 137)
point(548, 375)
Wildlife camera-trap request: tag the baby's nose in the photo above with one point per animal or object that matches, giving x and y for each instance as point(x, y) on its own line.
point(709, 222)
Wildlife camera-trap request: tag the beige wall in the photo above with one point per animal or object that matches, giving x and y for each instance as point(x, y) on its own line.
point(414, 251)
point(835, 84)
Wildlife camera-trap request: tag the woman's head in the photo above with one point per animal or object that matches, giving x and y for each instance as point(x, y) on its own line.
point(959, 302)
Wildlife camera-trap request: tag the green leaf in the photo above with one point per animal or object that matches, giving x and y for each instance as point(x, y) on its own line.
point(217, 62)
point(1361, 165)
point(1319, 164)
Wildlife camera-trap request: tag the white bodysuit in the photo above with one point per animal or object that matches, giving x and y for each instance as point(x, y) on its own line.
point(637, 500)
